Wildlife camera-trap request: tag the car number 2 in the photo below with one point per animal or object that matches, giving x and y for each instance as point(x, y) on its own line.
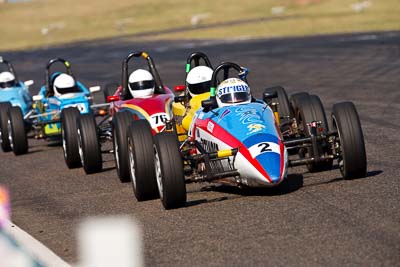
point(264, 147)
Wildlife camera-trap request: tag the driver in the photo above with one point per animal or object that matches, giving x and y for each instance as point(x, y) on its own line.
point(233, 91)
point(141, 84)
point(198, 84)
point(7, 80)
point(64, 84)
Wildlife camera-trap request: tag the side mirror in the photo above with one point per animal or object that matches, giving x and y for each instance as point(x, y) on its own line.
point(37, 98)
point(94, 89)
point(112, 98)
point(209, 104)
point(268, 96)
point(179, 88)
point(29, 83)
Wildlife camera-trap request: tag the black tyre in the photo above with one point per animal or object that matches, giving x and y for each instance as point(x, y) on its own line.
point(109, 89)
point(69, 136)
point(294, 101)
point(284, 109)
point(16, 131)
point(352, 159)
point(120, 124)
point(5, 142)
point(141, 160)
point(169, 170)
point(88, 144)
point(310, 109)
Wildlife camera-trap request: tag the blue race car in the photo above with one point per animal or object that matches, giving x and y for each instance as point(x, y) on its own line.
point(59, 93)
point(12, 93)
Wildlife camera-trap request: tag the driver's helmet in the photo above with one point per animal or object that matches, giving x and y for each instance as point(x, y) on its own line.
point(233, 91)
point(141, 83)
point(7, 79)
point(64, 84)
point(198, 80)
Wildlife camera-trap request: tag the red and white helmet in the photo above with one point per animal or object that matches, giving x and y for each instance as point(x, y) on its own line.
point(7, 79)
point(141, 83)
point(233, 91)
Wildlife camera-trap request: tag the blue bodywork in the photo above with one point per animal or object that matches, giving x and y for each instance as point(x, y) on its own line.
point(54, 105)
point(17, 96)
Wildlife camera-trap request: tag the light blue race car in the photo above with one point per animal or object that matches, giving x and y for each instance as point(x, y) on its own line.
point(49, 105)
point(13, 92)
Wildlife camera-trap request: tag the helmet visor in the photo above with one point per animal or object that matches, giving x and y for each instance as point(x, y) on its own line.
point(66, 90)
point(142, 85)
point(7, 84)
point(235, 97)
point(199, 88)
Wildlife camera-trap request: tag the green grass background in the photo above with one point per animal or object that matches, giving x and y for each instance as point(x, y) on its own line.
point(22, 23)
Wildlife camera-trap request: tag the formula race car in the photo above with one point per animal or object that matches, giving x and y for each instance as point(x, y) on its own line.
point(12, 93)
point(44, 118)
point(253, 142)
point(133, 110)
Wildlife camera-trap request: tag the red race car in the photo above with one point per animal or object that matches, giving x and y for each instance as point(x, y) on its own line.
point(141, 103)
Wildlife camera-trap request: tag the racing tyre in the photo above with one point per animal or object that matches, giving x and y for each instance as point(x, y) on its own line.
point(109, 89)
point(352, 159)
point(141, 160)
point(69, 136)
point(169, 170)
point(88, 144)
point(284, 109)
point(5, 142)
point(310, 109)
point(120, 124)
point(294, 101)
point(16, 131)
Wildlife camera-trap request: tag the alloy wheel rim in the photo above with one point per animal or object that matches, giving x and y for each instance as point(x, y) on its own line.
point(158, 172)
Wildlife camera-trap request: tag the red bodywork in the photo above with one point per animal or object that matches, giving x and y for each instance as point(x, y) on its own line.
point(155, 109)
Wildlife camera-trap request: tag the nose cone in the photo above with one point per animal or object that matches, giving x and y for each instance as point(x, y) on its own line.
point(271, 162)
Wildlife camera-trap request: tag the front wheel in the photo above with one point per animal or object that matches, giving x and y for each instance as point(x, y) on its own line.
point(4, 141)
point(69, 136)
point(352, 156)
point(141, 160)
point(120, 124)
point(169, 170)
point(88, 144)
point(16, 131)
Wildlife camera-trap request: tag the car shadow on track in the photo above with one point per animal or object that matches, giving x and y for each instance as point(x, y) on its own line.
point(291, 184)
point(341, 179)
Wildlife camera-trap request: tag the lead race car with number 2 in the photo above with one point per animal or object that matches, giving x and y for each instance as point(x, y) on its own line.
point(242, 141)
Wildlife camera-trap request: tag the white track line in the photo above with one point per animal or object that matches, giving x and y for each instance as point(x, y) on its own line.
point(33, 247)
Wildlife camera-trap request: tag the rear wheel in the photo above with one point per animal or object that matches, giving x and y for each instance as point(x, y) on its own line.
point(169, 170)
point(310, 109)
point(352, 156)
point(69, 136)
point(5, 142)
point(120, 124)
point(141, 160)
point(16, 131)
point(88, 144)
point(284, 109)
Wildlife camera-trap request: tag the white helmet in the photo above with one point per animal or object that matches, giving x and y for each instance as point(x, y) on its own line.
point(198, 80)
point(233, 91)
point(7, 79)
point(141, 83)
point(64, 84)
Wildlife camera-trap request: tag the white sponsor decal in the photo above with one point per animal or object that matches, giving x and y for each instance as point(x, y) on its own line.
point(210, 126)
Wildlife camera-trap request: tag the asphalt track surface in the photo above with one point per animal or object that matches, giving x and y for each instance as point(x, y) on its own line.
point(315, 219)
